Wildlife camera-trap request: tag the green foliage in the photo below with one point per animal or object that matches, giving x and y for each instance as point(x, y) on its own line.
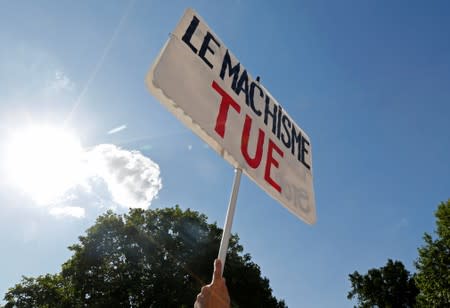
point(44, 291)
point(389, 286)
point(152, 258)
point(433, 265)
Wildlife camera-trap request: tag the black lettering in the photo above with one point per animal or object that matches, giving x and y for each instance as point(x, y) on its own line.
point(205, 47)
point(232, 70)
point(296, 138)
point(252, 97)
point(243, 86)
point(273, 114)
point(286, 125)
point(280, 112)
point(189, 32)
point(304, 150)
point(301, 146)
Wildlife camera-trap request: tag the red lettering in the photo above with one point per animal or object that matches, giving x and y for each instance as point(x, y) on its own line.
point(252, 162)
point(272, 161)
point(225, 104)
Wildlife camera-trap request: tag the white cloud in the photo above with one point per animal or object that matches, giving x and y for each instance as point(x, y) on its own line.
point(68, 211)
point(132, 178)
point(127, 178)
point(105, 176)
point(117, 129)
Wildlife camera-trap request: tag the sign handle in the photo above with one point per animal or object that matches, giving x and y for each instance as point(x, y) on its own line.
point(229, 218)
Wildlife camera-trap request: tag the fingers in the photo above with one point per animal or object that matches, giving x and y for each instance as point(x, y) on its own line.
point(215, 291)
point(200, 301)
point(217, 274)
point(201, 297)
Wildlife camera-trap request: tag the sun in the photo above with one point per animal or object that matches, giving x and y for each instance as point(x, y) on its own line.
point(44, 161)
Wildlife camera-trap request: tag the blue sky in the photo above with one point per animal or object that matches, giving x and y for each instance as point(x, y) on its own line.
point(368, 81)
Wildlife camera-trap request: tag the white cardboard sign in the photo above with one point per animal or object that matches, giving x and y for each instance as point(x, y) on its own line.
point(203, 84)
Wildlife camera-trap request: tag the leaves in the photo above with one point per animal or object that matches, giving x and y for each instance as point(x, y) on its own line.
point(393, 286)
point(433, 265)
point(152, 258)
point(43, 291)
point(389, 286)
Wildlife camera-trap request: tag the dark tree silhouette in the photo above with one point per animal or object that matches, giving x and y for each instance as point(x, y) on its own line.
point(386, 287)
point(152, 258)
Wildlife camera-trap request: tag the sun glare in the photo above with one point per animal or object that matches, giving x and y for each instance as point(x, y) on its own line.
point(44, 162)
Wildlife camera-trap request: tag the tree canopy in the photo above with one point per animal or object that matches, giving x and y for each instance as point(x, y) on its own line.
point(433, 264)
point(390, 286)
point(393, 286)
point(145, 258)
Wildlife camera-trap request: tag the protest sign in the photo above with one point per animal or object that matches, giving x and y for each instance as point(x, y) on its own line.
point(204, 85)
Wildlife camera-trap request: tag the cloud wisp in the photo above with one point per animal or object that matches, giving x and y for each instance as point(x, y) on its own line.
point(68, 211)
point(60, 83)
point(117, 129)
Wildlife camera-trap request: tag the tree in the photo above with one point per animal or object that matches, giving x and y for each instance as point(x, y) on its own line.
point(44, 291)
point(433, 265)
point(152, 258)
point(390, 286)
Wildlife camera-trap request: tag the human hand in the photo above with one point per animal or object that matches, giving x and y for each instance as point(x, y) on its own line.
point(215, 294)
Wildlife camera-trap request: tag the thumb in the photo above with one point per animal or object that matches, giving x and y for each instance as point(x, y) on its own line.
point(217, 274)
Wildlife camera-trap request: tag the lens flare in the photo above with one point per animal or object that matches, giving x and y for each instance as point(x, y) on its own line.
point(44, 162)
